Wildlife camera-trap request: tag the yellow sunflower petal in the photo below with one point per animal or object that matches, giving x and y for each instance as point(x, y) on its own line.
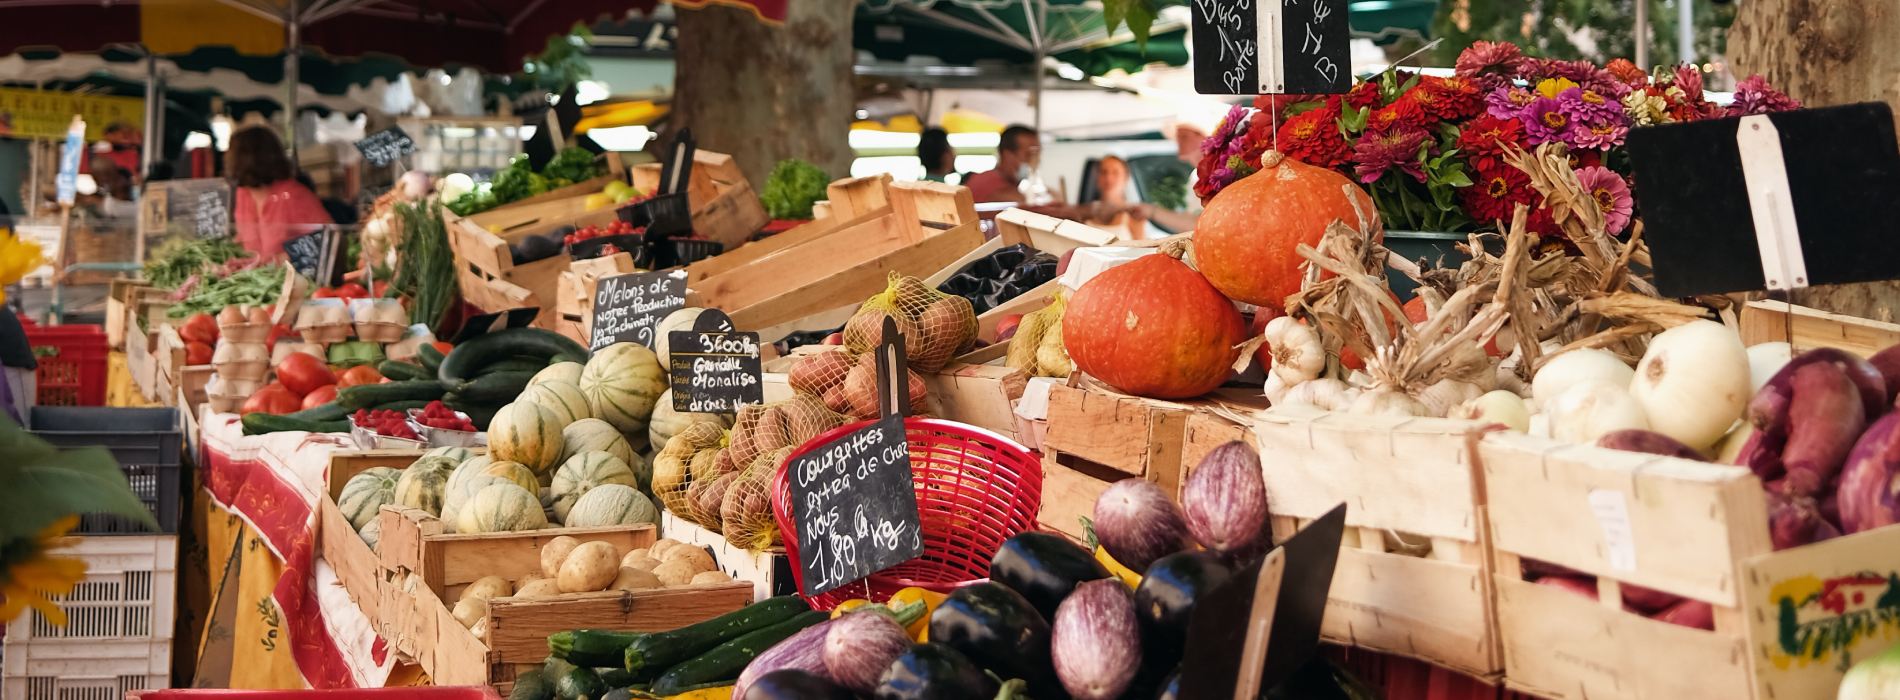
point(49, 574)
point(59, 528)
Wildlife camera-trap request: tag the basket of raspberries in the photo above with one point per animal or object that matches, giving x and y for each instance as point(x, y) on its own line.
point(376, 429)
point(442, 426)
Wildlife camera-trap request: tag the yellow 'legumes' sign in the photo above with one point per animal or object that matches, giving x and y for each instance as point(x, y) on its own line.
point(41, 114)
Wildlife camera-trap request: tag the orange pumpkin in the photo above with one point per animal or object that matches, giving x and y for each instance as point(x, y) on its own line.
point(1247, 240)
point(1153, 327)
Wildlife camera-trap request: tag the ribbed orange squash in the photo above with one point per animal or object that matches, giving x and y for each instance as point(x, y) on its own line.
point(1153, 327)
point(1246, 240)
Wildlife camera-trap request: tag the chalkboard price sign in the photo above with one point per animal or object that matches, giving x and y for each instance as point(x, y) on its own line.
point(714, 371)
point(211, 213)
point(1268, 47)
point(628, 307)
point(314, 254)
point(855, 507)
point(386, 146)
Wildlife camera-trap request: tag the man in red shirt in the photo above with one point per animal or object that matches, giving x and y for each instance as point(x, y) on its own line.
point(1018, 152)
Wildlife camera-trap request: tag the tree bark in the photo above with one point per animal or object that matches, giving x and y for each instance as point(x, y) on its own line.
point(764, 93)
point(1826, 52)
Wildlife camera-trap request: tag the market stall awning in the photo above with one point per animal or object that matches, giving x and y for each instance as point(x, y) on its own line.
point(969, 32)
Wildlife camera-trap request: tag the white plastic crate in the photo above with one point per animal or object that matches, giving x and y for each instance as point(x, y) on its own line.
point(130, 592)
point(84, 670)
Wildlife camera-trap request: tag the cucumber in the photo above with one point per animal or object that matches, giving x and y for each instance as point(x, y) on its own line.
point(479, 414)
point(579, 684)
point(513, 364)
point(488, 348)
point(531, 685)
point(261, 423)
point(400, 406)
point(500, 387)
point(429, 357)
point(403, 371)
point(330, 411)
point(637, 651)
point(368, 395)
point(724, 662)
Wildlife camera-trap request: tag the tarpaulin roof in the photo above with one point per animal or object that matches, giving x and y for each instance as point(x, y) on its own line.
point(966, 32)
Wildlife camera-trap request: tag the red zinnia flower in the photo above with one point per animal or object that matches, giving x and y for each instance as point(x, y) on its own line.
point(1401, 113)
point(1627, 72)
point(1482, 140)
point(1364, 93)
point(1313, 138)
point(1462, 98)
point(1494, 193)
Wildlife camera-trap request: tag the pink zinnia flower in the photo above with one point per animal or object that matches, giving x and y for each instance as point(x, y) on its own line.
point(1507, 103)
point(1374, 154)
point(1689, 79)
point(1590, 104)
point(1755, 96)
point(1594, 133)
point(1489, 62)
point(1612, 196)
point(1546, 120)
point(1536, 69)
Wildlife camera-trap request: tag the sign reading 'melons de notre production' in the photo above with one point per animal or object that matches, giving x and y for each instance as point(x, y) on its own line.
point(855, 506)
point(1263, 47)
point(628, 307)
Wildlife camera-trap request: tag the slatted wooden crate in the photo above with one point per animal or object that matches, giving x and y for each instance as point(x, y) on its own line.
point(1093, 437)
point(355, 562)
point(1772, 321)
point(574, 300)
point(724, 206)
point(1787, 623)
point(485, 270)
point(1408, 484)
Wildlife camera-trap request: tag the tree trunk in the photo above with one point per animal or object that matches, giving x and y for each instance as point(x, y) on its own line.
point(765, 93)
point(1826, 52)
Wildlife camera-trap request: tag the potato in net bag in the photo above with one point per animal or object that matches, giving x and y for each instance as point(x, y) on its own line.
point(761, 438)
point(688, 457)
point(936, 326)
point(858, 393)
point(746, 512)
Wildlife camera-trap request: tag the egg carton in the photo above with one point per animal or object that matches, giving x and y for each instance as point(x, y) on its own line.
point(244, 332)
point(380, 332)
point(242, 370)
point(328, 334)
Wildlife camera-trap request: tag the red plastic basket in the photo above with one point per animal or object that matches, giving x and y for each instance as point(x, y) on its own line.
point(975, 489)
point(72, 361)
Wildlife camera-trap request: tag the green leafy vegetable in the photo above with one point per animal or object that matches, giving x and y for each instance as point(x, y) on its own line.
point(476, 201)
point(180, 258)
point(518, 181)
point(792, 187)
point(428, 272)
point(259, 285)
point(573, 164)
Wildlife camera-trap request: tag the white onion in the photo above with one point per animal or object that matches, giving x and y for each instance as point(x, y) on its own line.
point(1574, 367)
point(1693, 382)
point(1502, 407)
point(1588, 410)
point(1764, 360)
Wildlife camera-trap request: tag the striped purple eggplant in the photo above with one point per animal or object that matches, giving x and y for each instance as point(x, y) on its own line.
point(1225, 501)
point(1095, 643)
point(1137, 523)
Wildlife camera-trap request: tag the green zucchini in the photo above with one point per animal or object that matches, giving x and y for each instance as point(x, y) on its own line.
point(639, 651)
point(369, 395)
point(479, 414)
point(429, 357)
point(400, 406)
point(403, 371)
point(488, 348)
point(501, 387)
point(579, 684)
point(329, 411)
point(261, 423)
point(513, 364)
point(615, 676)
point(724, 662)
point(531, 685)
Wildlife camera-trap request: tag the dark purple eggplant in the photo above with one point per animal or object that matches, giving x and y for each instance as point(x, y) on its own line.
point(794, 684)
point(1166, 598)
point(1000, 631)
point(932, 671)
point(1869, 492)
point(1044, 567)
point(1138, 523)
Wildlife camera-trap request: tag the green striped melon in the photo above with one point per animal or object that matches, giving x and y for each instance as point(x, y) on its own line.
point(622, 381)
point(681, 320)
point(527, 433)
point(595, 435)
point(569, 372)
point(612, 504)
point(666, 422)
point(371, 532)
point(563, 398)
point(583, 472)
point(366, 493)
point(459, 454)
point(420, 486)
point(516, 473)
point(502, 508)
point(457, 496)
point(472, 465)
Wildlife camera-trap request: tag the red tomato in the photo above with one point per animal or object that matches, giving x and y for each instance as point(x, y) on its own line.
point(321, 395)
point(352, 290)
point(381, 288)
point(279, 331)
point(302, 373)
point(323, 293)
point(273, 399)
point(197, 353)
point(201, 328)
point(443, 346)
point(358, 376)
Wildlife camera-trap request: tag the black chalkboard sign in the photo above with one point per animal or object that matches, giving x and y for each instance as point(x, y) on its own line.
point(1259, 47)
point(628, 307)
point(714, 371)
point(1777, 201)
point(210, 213)
point(855, 507)
point(1280, 602)
point(314, 254)
point(386, 146)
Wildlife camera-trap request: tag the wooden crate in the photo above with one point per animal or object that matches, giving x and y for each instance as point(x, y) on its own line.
point(427, 571)
point(356, 564)
point(724, 206)
point(1093, 437)
point(1409, 478)
point(1206, 430)
point(1787, 623)
point(769, 571)
point(574, 300)
point(812, 272)
point(980, 395)
point(485, 270)
point(134, 308)
point(1772, 321)
point(176, 380)
point(141, 357)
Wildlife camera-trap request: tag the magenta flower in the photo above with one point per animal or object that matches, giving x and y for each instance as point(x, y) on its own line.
point(1536, 69)
point(1612, 196)
point(1490, 63)
point(1599, 133)
point(1589, 104)
point(1755, 96)
point(1546, 120)
point(1374, 154)
point(1507, 103)
point(1689, 79)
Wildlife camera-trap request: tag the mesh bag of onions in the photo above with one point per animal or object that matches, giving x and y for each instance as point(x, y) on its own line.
point(763, 436)
point(847, 383)
point(936, 326)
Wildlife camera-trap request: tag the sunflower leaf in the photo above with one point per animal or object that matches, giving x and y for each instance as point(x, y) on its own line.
point(44, 484)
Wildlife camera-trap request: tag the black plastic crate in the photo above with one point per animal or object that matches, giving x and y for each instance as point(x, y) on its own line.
point(147, 442)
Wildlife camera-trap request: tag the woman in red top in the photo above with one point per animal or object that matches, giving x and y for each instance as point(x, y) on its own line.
point(271, 207)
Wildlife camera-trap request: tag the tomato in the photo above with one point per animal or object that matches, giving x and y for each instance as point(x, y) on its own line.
point(280, 331)
point(200, 328)
point(323, 293)
point(197, 353)
point(303, 373)
point(273, 399)
point(358, 376)
point(443, 346)
point(321, 395)
point(381, 288)
point(352, 290)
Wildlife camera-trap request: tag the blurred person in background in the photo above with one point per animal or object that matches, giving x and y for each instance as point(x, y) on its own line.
point(1111, 184)
point(938, 158)
point(1018, 152)
point(270, 205)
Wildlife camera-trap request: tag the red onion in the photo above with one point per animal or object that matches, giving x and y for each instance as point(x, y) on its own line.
point(1869, 493)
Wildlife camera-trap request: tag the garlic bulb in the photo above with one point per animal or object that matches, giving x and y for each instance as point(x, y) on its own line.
point(1447, 394)
point(1328, 394)
point(1501, 407)
point(1386, 402)
point(1588, 410)
point(1297, 353)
